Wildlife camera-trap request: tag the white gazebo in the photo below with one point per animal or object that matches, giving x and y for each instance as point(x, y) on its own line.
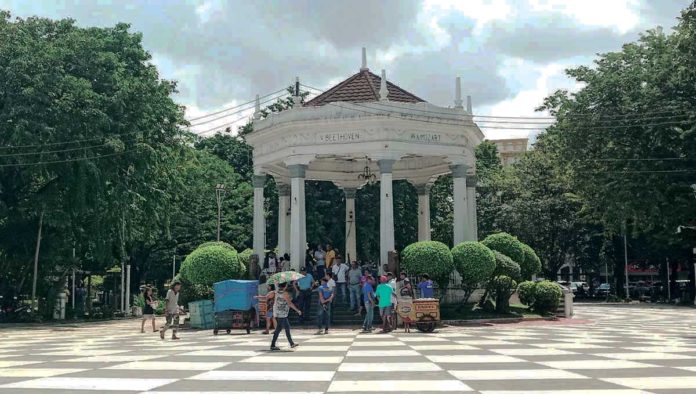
point(364, 121)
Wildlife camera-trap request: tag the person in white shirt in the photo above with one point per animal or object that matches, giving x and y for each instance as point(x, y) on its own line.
point(272, 263)
point(340, 270)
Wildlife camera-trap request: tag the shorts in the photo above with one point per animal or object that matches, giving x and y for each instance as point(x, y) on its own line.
point(269, 314)
point(385, 311)
point(149, 317)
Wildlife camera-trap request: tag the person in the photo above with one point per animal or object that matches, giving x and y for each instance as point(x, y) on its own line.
point(330, 256)
point(326, 296)
point(405, 288)
point(270, 299)
point(305, 285)
point(406, 295)
point(369, 299)
point(427, 290)
point(148, 309)
point(281, 309)
point(172, 310)
point(272, 263)
point(354, 276)
point(383, 294)
point(320, 257)
point(309, 261)
point(340, 270)
point(285, 264)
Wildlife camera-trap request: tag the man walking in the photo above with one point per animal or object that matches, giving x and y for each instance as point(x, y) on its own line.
point(340, 270)
point(172, 310)
point(354, 275)
point(369, 299)
point(326, 296)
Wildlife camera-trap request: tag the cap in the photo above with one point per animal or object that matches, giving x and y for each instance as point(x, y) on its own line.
point(303, 269)
point(383, 278)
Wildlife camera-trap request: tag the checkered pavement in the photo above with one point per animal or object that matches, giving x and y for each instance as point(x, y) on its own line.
point(624, 350)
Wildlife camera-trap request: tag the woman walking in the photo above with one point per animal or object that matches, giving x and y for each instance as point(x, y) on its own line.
point(281, 309)
point(148, 309)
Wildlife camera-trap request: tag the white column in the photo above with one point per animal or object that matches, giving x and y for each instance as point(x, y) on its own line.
point(283, 218)
point(423, 191)
point(259, 217)
point(351, 227)
point(386, 211)
point(471, 206)
point(461, 226)
point(298, 222)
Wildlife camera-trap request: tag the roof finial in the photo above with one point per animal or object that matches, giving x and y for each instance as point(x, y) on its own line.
point(468, 105)
point(458, 94)
point(296, 92)
point(383, 92)
point(364, 60)
point(257, 108)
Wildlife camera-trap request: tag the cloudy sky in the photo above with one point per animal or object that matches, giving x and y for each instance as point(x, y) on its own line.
point(509, 53)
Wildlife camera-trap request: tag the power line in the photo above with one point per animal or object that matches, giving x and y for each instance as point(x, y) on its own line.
point(235, 107)
point(66, 160)
point(236, 112)
point(64, 142)
point(636, 171)
point(52, 151)
point(643, 159)
point(549, 118)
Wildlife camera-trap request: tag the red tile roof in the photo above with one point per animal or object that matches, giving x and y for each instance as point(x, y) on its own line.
point(362, 87)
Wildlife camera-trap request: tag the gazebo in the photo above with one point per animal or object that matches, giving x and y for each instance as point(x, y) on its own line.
point(363, 129)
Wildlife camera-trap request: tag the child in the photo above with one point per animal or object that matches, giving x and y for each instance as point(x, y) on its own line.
point(426, 287)
point(384, 293)
point(270, 320)
point(148, 309)
point(172, 310)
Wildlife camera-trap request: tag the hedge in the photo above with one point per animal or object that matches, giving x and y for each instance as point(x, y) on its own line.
point(531, 264)
point(475, 263)
point(501, 288)
point(212, 262)
point(505, 244)
point(547, 296)
point(429, 257)
point(505, 266)
point(245, 257)
point(525, 291)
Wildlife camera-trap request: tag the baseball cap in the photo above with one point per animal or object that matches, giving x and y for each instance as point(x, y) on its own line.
point(383, 278)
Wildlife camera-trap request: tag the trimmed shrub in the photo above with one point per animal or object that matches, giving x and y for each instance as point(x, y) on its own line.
point(547, 296)
point(525, 291)
point(429, 257)
point(501, 288)
point(505, 266)
point(505, 244)
point(244, 257)
point(475, 263)
point(212, 262)
point(191, 292)
point(531, 264)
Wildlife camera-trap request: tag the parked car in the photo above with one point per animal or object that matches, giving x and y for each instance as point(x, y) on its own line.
point(581, 289)
point(603, 290)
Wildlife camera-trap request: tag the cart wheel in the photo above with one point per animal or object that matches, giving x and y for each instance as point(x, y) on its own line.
point(248, 330)
point(228, 331)
point(215, 331)
point(426, 327)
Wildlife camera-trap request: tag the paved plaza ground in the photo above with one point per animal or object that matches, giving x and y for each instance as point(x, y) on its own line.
point(621, 350)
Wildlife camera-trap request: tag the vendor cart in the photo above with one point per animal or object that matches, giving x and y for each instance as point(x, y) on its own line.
point(229, 320)
point(235, 305)
point(427, 313)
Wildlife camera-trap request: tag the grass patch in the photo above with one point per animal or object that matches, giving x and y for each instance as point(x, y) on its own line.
point(473, 312)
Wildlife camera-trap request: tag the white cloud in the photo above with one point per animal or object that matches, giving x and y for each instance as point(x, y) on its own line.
point(618, 14)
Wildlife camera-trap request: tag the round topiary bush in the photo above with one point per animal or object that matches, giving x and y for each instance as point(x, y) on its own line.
point(547, 296)
point(525, 291)
point(475, 263)
point(505, 266)
point(505, 244)
point(428, 257)
point(212, 262)
point(502, 288)
point(244, 257)
point(531, 264)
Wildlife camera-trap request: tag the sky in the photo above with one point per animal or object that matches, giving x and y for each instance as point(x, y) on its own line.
point(510, 54)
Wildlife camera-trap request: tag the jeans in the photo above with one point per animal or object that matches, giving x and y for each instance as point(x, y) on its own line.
point(369, 315)
point(321, 271)
point(305, 304)
point(355, 296)
point(283, 323)
point(342, 288)
point(324, 315)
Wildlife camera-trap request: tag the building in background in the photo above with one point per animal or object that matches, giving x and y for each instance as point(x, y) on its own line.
point(511, 149)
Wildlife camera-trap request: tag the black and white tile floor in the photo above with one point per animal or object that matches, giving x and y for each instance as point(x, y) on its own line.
point(624, 350)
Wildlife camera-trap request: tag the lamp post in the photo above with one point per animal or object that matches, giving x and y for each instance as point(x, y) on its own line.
point(219, 195)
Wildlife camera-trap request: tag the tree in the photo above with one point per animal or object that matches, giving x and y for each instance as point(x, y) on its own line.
point(210, 263)
point(475, 263)
point(506, 244)
point(429, 257)
point(531, 265)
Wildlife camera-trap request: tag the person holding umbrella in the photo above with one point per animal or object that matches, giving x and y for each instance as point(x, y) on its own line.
point(283, 304)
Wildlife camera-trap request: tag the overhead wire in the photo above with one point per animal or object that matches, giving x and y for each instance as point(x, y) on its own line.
point(238, 111)
point(234, 107)
point(65, 160)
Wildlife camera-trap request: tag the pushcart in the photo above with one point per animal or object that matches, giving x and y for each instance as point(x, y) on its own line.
point(427, 313)
point(229, 320)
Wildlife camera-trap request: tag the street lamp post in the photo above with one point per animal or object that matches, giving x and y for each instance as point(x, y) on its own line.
point(219, 195)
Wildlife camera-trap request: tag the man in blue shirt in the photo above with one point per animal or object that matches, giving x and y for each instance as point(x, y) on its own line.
point(369, 299)
point(305, 297)
point(427, 289)
point(326, 295)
